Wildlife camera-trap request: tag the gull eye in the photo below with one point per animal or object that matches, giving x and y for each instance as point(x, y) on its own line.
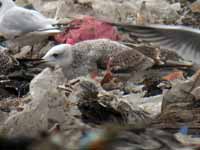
point(0, 4)
point(55, 55)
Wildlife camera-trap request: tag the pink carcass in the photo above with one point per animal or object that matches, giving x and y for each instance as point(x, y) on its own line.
point(87, 28)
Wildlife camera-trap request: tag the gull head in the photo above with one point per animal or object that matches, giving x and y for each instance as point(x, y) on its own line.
point(59, 55)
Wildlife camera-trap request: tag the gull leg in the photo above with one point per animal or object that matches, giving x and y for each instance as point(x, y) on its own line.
point(108, 74)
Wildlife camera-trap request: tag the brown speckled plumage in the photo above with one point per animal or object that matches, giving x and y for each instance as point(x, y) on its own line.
point(88, 54)
point(87, 57)
point(128, 60)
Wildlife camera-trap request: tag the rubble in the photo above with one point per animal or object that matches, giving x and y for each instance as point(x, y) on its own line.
point(16, 74)
point(45, 106)
point(116, 11)
point(137, 96)
point(195, 6)
point(180, 105)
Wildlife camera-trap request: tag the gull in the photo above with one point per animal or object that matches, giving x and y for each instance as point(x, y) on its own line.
point(184, 40)
point(86, 57)
point(23, 27)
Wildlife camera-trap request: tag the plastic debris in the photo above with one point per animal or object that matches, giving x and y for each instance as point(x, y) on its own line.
point(86, 29)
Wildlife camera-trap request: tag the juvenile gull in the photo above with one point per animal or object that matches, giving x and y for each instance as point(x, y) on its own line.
point(85, 57)
point(185, 40)
point(22, 27)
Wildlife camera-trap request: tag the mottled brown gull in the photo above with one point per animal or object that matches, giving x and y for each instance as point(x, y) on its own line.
point(85, 57)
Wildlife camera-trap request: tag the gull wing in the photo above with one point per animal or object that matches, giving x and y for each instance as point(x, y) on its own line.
point(185, 40)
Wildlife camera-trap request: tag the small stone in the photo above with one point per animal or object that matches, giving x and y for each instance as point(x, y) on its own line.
point(195, 7)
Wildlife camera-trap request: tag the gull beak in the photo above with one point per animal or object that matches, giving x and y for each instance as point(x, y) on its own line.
point(41, 61)
point(35, 61)
point(47, 63)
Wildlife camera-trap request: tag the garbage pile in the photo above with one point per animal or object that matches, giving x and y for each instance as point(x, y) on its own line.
point(94, 80)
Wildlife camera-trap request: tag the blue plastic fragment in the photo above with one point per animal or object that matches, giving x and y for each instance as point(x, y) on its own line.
point(184, 130)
